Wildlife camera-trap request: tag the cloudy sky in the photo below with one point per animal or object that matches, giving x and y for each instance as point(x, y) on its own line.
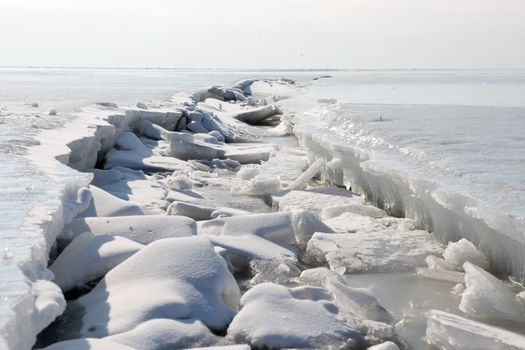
point(263, 33)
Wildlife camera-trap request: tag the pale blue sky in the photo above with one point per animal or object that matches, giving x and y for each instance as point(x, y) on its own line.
point(264, 34)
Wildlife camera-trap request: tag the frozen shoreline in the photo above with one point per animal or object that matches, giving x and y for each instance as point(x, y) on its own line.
point(83, 157)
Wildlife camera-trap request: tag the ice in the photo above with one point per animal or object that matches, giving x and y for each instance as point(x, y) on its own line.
point(457, 253)
point(134, 160)
point(314, 199)
point(319, 276)
point(305, 225)
point(275, 271)
point(187, 146)
point(226, 347)
point(90, 257)
point(489, 298)
point(227, 212)
point(372, 251)
point(358, 302)
point(194, 211)
point(256, 115)
point(48, 304)
point(173, 278)
point(257, 236)
point(349, 222)
point(388, 345)
point(309, 173)
point(450, 332)
point(88, 344)
point(143, 229)
point(105, 204)
point(439, 269)
point(128, 141)
point(252, 181)
point(274, 316)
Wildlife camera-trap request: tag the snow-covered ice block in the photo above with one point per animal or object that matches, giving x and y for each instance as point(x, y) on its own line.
point(173, 278)
point(372, 251)
point(134, 160)
point(105, 204)
point(256, 115)
point(450, 332)
point(274, 316)
point(194, 211)
point(90, 257)
point(273, 226)
point(249, 237)
point(143, 229)
point(488, 297)
point(187, 146)
point(164, 334)
point(457, 253)
point(49, 303)
point(388, 345)
point(88, 344)
point(115, 175)
point(259, 185)
point(227, 212)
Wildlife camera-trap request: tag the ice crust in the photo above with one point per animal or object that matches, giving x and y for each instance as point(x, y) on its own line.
point(449, 216)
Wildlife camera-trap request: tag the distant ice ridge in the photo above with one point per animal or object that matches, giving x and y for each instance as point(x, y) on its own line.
point(402, 192)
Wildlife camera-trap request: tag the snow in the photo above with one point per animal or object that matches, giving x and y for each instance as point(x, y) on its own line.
point(274, 316)
point(90, 257)
point(48, 304)
point(449, 332)
point(487, 297)
point(105, 204)
point(173, 278)
point(372, 251)
point(314, 199)
point(143, 229)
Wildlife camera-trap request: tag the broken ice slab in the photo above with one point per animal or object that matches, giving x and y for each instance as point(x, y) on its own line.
point(450, 332)
point(385, 250)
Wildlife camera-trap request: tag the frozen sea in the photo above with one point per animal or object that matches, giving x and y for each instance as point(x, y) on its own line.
point(457, 134)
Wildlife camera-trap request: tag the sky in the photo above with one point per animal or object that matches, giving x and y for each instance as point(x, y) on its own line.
point(278, 34)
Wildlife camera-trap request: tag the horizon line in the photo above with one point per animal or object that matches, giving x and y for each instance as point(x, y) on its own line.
point(314, 69)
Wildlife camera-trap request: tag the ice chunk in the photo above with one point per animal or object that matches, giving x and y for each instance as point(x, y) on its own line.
point(105, 204)
point(143, 229)
point(280, 272)
point(272, 316)
point(303, 179)
point(463, 250)
point(439, 269)
point(305, 225)
point(194, 211)
point(349, 222)
point(450, 332)
point(319, 277)
point(227, 212)
point(187, 146)
point(257, 186)
point(358, 302)
point(314, 199)
point(88, 344)
point(162, 334)
point(173, 278)
point(258, 236)
point(488, 297)
point(49, 303)
point(134, 160)
point(388, 345)
point(372, 251)
point(128, 141)
point(90, 257)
